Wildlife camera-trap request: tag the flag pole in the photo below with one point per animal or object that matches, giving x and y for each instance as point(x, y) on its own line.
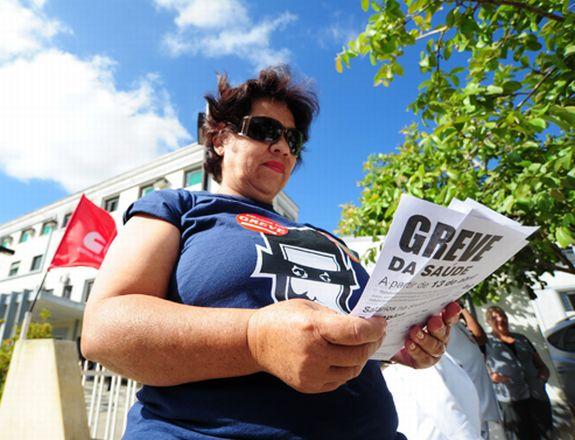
point(28, 315)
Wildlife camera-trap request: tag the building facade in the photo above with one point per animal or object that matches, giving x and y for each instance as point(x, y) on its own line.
point(34, 238)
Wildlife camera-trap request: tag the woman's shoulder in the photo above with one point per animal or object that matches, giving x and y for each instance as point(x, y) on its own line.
point(166, 204)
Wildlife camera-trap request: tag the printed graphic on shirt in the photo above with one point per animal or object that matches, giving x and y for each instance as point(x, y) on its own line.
point(258, 223)
point(304, 263)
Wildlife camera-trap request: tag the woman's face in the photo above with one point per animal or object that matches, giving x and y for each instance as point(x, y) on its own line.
point(251, 168)
point(499, 322)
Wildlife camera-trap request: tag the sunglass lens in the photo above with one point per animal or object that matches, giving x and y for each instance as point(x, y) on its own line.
point(264, 129)
point(294, 139)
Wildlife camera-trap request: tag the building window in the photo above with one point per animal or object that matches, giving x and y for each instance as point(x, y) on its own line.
point(568, 300)
point(88, 284)
point(193, 179)
point(67, 291)
point(48, 227)
point(26, 235)
point(36, 263)
point(14, 269)
point(66, 219)
point(111, 204)
point(6, 241)
point(146, 189)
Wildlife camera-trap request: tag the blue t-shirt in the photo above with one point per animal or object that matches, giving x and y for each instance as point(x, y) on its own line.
point(238, 253)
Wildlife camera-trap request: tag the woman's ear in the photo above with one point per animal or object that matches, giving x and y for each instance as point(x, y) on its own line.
point(219, 148)
point(219, 141)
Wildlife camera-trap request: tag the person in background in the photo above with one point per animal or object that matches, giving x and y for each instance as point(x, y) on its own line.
point(519, 375)
point(439, 403)
point(463, 398)
point(467, 345)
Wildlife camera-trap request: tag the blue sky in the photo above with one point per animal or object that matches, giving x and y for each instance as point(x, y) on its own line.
point(91, 89)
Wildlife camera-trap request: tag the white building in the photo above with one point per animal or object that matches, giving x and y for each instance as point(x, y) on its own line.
point(34, 237)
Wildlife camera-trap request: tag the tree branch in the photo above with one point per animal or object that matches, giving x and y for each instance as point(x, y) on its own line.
point(555, 268)
point(563, 258)
point(438, 51)
point(549, 72)
point(522, 5)
point(433, 32)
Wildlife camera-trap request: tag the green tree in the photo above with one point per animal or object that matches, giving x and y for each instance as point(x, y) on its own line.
point(494, 120)
point(37, 330)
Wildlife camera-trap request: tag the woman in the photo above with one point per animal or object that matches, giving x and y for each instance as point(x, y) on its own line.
point(519, 375)
point(219, 305)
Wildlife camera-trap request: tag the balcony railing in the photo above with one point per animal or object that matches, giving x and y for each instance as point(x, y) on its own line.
point(109, 397)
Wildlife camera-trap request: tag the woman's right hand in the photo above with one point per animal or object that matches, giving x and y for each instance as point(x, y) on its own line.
point(310, 347)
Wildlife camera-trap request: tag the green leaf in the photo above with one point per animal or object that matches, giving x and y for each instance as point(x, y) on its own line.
point(569, 219)
point(533, 44)
point(564, 236)
point(508, 203)
point(564, 162)
point(569, 50)
point(451, 16)
point(538, 123)
point(365, 5)
point(511, 86)
point(424, 62)
point(494, 90)
point(416, 6)
point(565, 114)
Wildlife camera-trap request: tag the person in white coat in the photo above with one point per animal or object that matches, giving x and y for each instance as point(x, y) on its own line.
point(459, 384)
point(439, 403)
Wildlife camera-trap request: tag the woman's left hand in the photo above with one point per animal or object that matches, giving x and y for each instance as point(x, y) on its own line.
point(424, 347)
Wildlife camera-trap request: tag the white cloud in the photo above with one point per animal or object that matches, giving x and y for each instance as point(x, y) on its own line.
point(339, 30)
point(24, 29)
point(63, 118)
point(206, 14)
point(223, 28)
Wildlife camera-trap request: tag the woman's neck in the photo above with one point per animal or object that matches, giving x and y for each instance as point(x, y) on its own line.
point(504, 336)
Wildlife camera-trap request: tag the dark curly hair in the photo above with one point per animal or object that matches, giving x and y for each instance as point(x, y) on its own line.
point(233, 103)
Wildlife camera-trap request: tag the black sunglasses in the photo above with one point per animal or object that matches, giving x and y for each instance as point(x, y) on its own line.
point(269, 130)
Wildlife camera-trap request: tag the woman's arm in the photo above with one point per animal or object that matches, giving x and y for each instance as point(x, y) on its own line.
point(540, 365)
point(131, 328)
point(474, 327)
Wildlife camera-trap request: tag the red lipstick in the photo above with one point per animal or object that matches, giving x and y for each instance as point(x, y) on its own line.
point(276, 166)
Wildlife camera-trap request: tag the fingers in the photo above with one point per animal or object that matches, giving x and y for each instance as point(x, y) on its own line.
point(351, 356)
point(432, 344)
point(451, 313)
point(437, 328)
point(423, 348)
point(349, 330)
point(419, 357)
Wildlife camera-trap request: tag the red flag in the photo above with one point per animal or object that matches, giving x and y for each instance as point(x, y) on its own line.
point(87, 238)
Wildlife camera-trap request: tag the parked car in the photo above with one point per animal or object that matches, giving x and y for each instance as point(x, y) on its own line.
point(561, 341)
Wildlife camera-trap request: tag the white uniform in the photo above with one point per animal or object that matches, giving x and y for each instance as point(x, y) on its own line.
point(437, 403)
point(465, 351)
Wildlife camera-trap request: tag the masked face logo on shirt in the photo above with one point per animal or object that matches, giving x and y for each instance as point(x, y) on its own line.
point(307, 264)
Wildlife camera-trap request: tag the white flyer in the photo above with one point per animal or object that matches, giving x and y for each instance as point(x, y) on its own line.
point(432, 255)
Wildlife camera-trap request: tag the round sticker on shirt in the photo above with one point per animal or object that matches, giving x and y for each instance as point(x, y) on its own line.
point(258, 223)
